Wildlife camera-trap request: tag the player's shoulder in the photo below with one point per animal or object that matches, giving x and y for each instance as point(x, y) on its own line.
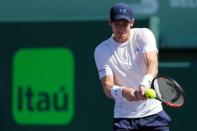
point(141, 31)
point(103, 44)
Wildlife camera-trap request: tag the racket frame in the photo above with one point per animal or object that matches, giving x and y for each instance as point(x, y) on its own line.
point(177, 85)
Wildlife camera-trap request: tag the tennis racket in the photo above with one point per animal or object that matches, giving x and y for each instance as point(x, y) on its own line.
point(168, 91)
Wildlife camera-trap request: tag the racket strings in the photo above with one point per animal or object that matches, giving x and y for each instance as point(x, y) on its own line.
point(169, 91)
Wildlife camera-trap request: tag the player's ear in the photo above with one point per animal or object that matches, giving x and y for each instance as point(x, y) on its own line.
point(110, 22)
point(132, 21)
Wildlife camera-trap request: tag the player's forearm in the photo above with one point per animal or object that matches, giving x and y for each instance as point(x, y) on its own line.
point(120, 92)
point(107, 91)
point(152, 69)
point(152, 63)
point(107, 83)
point(117, 92)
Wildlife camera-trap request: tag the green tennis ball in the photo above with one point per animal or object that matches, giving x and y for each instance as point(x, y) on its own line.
point(150, 93)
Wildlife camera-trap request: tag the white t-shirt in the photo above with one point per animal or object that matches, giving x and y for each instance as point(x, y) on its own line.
point(125, 62)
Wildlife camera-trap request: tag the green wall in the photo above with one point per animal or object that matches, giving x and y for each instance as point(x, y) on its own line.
point(178, 23)
point(80, 26)
point(93, 111)
point(81, 38)
point(181, 65)
point(175, 24)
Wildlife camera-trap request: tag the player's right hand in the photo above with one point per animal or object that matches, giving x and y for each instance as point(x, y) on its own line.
point(129, 94)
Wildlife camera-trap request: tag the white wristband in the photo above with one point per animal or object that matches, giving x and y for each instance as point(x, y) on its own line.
point(116, 92)
point(147, 80)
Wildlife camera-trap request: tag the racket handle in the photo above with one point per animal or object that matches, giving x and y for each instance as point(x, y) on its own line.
point(137, 93)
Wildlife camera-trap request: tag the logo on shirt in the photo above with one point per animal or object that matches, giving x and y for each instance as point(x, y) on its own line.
point(101, 70)
point(137, 50)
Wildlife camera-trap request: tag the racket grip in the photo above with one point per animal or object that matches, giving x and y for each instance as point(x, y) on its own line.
point(137, 93)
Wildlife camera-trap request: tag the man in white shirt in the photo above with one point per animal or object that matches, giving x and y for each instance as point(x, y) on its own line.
point(127, 63)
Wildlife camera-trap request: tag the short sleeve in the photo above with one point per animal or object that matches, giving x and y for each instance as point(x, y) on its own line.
point(102, 63)
point(148, 40)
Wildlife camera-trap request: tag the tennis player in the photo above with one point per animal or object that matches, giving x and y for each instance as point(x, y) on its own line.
point(127, 63)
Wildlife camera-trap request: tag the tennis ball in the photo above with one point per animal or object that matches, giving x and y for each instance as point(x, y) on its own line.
point(150, 93)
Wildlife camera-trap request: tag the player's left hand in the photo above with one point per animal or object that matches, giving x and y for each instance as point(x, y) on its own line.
point(141, 92)
point(142, 89)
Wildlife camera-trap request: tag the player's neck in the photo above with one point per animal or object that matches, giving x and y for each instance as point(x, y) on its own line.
point(119, 40)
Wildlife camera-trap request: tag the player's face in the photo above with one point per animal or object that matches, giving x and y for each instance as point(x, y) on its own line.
point(121, 30)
